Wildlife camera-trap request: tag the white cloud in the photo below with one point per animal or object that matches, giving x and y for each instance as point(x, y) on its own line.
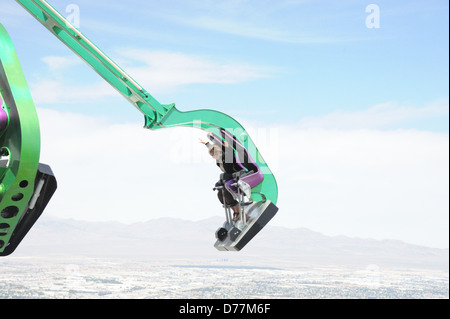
point(58, 86)
point(53, 91)
point(378, 116)
point(260, 30)
point(365, 183)
point(263, 20)
point(123, 172)
point(61, 63)
point(166, 71)
point(159, 71)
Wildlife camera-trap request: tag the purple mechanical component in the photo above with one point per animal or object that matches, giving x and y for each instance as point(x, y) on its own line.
point(252, 179)
point(3, 116)
point(230, 187)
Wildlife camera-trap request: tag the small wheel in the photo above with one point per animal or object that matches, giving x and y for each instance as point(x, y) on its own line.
point(221, 234)
point(234, 233)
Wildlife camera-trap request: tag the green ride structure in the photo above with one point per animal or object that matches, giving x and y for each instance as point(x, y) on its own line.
point(26, 186)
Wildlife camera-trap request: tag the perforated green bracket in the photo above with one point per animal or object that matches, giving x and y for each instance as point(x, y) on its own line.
point(19, 141)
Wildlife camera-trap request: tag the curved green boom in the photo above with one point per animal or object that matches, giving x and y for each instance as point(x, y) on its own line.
point(156, 115)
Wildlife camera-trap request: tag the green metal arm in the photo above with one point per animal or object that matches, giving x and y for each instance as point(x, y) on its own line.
point(19, 153)
point(99, 61)
point(157, 115)
point(213, 121)
point(26, 186)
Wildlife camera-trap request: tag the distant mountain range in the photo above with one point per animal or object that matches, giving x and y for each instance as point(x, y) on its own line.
point(175, 239)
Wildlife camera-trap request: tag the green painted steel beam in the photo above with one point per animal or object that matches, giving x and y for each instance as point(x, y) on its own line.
point(156, 115)
point(59, 26)
point(213, 121)
point(19, 141)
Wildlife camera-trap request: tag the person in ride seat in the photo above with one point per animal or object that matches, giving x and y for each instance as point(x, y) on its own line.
point(225, 160)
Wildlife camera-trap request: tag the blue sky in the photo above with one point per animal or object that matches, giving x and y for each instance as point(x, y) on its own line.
point(363, 111)
point(302, 58)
